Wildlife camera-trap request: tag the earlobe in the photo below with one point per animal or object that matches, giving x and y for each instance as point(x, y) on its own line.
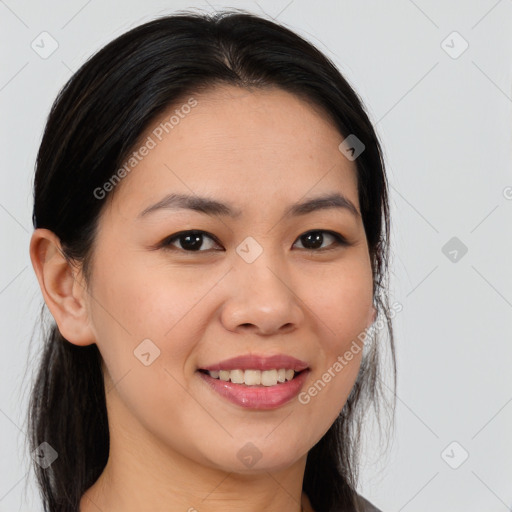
point(63, 289)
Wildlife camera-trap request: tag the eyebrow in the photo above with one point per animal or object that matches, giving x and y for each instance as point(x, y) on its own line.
point(212, 207)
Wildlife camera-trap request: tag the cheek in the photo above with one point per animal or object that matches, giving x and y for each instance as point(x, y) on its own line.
point(137, 312)
point(341, 309)
point(343, 303)
point(144, 301)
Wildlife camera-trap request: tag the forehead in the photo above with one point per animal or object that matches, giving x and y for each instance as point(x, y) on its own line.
point(247, 146)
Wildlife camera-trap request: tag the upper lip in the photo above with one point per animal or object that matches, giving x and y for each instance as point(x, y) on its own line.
point(259, 362)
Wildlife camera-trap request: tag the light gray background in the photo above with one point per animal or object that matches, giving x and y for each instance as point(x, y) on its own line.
point(445, 124)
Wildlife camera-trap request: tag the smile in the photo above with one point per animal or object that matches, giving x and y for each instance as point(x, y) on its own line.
point(266, 391)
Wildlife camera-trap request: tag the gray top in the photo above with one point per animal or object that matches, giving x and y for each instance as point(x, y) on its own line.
point(367, 506)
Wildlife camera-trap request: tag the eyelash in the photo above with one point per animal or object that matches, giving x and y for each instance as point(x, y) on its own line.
point(339, 240)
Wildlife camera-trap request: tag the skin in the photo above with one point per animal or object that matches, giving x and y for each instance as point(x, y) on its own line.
point(173, 441)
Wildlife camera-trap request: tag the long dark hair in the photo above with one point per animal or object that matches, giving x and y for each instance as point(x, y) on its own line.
point(94, 124)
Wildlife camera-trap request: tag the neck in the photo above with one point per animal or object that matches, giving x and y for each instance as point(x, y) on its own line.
point(142, 473)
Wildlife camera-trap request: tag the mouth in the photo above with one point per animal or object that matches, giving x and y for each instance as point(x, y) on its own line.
point(258, 390)
point(256, 381)
point(253, 377)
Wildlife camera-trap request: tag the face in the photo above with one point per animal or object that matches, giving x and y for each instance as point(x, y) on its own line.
point(165, 303)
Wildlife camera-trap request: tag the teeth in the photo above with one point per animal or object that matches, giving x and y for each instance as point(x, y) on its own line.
point(254, 377)
point(236, 376)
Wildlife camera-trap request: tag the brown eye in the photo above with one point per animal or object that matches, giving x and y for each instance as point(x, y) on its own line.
point(189, 241)
point(194, 240)
point(313, 240)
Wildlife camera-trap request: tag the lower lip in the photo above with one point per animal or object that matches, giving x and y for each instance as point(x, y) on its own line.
point(257, 397)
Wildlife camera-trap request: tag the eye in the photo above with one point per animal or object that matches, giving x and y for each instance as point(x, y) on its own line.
point(193, 240)
point(314, 240)
point(190, 241)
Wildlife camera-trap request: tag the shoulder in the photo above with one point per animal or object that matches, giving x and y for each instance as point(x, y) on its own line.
point(363, 505)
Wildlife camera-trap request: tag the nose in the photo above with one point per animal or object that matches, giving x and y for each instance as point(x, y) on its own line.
point(262, 299)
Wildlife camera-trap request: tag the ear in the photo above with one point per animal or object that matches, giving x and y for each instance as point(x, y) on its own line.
point(63, 288)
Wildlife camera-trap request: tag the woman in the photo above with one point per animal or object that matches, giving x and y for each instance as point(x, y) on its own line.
point(211, 239)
